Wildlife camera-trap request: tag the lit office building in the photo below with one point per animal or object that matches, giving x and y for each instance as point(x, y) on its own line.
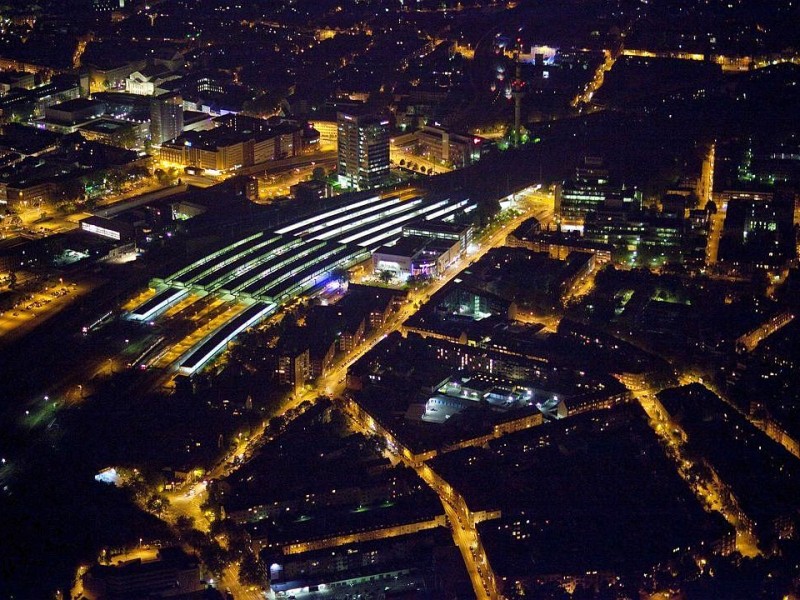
point(363, 145)
point(587, 190)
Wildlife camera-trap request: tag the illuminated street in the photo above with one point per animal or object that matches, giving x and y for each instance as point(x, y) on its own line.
point(706, 489)
point(597, 81)
point(187, 500)
point(717, 221)
point(430, 299)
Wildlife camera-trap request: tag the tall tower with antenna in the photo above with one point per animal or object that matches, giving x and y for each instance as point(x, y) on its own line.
point(517, 92)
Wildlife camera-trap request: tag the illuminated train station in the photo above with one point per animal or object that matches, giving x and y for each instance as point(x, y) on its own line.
point(254, 276)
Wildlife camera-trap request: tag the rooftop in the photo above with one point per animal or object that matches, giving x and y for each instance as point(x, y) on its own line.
point(437, 227)
point(77, 104)
point(106, 126)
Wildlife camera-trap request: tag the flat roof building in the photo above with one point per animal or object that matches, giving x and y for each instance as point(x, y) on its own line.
point(10, 80)
point(75, 111)
point(557, 244)
point(588, 189)
point(441, 230)
point(363, 149)
point(115, 132)
point(416, 256)
point(310, 190)
point(236, 143)
point(173, 573)
point(449, 147)
point(108, 228)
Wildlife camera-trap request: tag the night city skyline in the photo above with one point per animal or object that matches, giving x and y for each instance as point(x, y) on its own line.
point(399, 299)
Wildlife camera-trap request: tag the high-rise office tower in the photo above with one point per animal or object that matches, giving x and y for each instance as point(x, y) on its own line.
point(166, 117)
point(363, 150)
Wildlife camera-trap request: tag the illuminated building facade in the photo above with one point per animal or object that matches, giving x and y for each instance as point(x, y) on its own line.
point(637, 235)
point(441, 145)
point(589, 189)
point(363, 146)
